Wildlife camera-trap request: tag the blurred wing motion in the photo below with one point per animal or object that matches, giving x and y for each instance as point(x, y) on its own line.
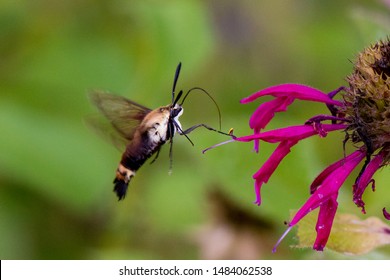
point(124, 118)
point(124, 115)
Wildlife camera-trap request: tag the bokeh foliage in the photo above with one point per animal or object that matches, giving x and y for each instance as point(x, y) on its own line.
point(56, 199)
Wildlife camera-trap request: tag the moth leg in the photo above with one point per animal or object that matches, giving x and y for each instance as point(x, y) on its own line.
point(157, 153)
point(181, 132)
point(171, 156)
point(192, 128)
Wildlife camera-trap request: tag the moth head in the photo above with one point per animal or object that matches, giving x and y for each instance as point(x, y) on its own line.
point(176, 111)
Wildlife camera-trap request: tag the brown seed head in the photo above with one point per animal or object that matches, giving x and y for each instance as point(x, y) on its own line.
point(368, 98)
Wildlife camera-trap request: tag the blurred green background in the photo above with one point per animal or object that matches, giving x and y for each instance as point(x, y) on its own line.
point(56, 199)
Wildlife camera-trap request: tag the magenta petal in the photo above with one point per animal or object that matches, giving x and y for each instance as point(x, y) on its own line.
point(258, 185)
point(386, 214)
point(324, 222)
point(330, 186)
point(365, 179)
point(266, 111)
point(264, 114)
point(296, 91)
point(325, 197)
point(297, 132)
point(256, 143)
point(262, 176)
point(326, 172)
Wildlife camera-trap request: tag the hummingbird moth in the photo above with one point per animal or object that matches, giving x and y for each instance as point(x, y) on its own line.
point(144, 130)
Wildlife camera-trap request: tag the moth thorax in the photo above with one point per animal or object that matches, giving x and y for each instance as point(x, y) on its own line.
point(157, 133)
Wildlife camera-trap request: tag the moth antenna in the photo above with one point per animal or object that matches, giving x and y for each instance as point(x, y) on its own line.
point(177, 98)
point(175, 81)
point(209, 95)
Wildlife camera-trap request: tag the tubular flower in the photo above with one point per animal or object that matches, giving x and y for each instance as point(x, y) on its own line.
point(363, 113)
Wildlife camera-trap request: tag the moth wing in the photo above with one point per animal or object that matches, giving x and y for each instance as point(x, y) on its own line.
point(123, 115)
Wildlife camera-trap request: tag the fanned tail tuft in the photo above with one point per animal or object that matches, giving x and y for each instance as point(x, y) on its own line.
point(120, 188)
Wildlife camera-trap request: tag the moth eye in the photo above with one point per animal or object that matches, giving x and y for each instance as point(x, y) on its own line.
point(162, 110)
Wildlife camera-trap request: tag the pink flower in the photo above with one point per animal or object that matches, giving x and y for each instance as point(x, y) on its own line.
point(325, 188)
point(287, 137)
point(285, 95)
point(363, 114)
